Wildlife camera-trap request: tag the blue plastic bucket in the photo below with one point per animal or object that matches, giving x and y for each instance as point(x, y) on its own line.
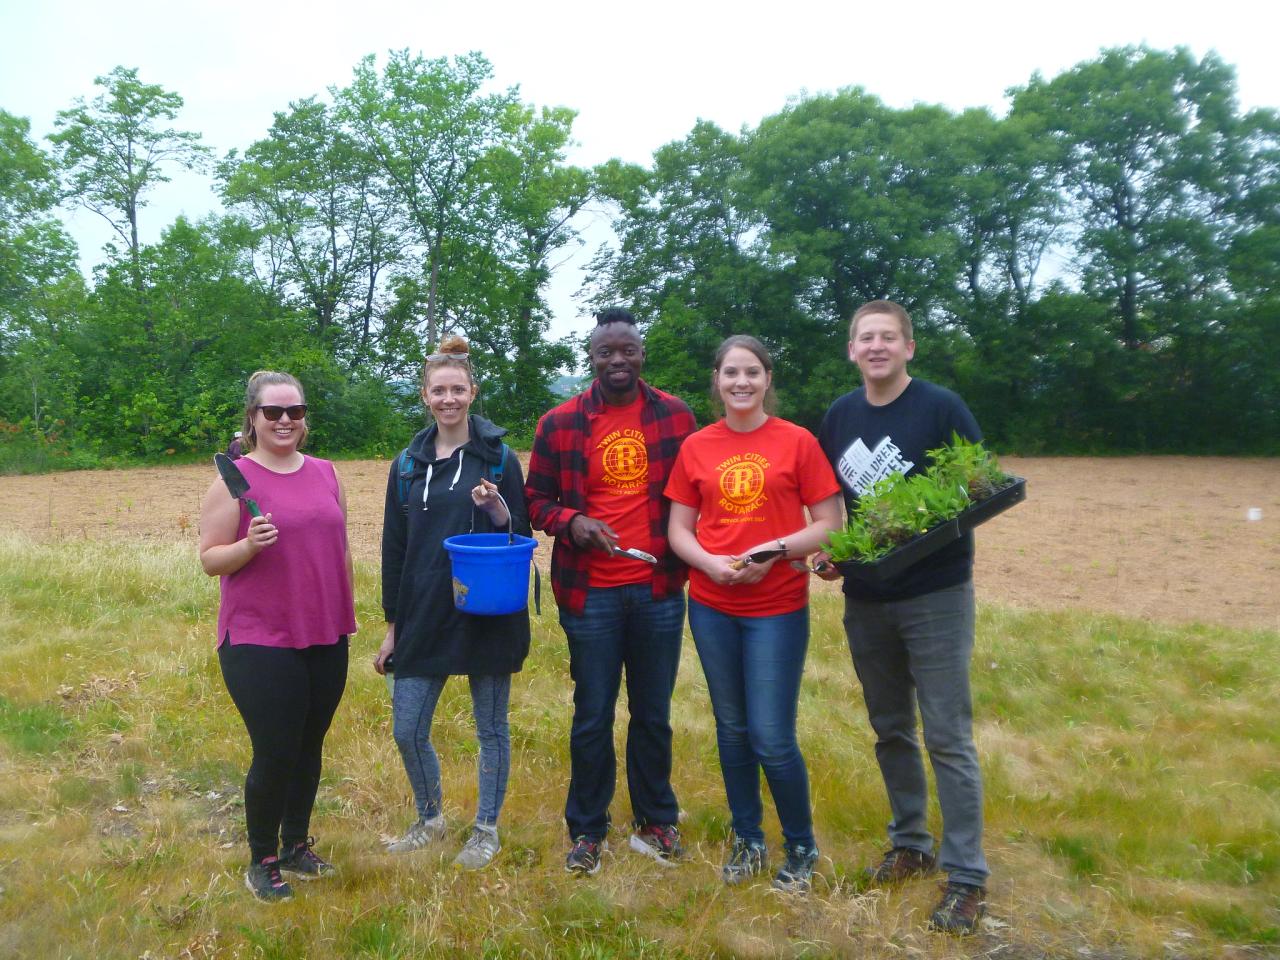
point(490, 574)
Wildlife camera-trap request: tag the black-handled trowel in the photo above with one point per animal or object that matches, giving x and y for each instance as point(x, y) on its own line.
point(235, 481)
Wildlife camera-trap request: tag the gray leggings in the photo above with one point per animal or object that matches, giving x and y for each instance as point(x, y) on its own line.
point(413, 705)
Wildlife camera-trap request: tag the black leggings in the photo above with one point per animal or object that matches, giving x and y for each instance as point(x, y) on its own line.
point(287, 699)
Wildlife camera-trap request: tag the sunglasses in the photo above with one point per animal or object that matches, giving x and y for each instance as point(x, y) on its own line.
point(274, 413)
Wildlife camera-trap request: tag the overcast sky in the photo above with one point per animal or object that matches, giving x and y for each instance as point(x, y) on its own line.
point(639, 74)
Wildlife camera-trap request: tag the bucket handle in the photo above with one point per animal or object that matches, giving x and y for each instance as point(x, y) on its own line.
point(510, 530)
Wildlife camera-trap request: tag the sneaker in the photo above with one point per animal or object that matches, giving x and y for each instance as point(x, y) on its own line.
point(419, 835)
point(660, 841)
point(479, 850)
point(900, 865)
point(584, 856)
point(746, 859)
point(264, 881)
point(305, 863)
point(796, 874)
point(961, 907)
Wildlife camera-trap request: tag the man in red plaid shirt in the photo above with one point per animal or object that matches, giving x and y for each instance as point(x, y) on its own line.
point(599, 465)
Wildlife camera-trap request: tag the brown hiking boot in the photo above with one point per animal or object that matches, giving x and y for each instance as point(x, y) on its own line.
point(900, 865)
point(960, 909)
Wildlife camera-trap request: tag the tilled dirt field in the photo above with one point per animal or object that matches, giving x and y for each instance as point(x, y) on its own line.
point(1164, 538)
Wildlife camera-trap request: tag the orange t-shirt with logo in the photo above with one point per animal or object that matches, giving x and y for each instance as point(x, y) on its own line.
point(618, 492)
point(751, 488)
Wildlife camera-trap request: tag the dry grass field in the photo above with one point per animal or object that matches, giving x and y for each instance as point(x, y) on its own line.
point(1160, 538)
point(1125, 684)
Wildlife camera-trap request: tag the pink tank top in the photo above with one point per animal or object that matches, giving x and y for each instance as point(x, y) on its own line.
point(297, 592)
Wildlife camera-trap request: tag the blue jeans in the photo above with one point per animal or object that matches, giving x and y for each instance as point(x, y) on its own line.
point(753, 667)
point(622, 627)
point(413, 704)
point(906, 651)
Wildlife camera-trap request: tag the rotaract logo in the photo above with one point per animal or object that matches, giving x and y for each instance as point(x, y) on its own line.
point(741, 485)
point(625, 461)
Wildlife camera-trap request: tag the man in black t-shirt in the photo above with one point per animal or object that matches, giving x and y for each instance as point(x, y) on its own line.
point(911, 637)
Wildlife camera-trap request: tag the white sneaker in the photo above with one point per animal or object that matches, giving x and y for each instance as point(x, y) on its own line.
point(479, 850)
point(419, 835)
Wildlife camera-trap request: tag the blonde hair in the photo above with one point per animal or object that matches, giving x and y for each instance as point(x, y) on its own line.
point(259, 381)
point(895, 310)
point(452, 344)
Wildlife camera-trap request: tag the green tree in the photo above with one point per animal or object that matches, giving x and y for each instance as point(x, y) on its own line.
point(1146, 146)
point(1008, 214)
point(429, 125)
point(537, 196)
point(179, 386)
point(690, 262)
point(1154, 156)
point(40, 288)
point(322, 207)
point(116, 149)
point(858, 200)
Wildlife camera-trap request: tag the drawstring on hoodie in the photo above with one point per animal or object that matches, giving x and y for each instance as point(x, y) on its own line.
point(426, 487)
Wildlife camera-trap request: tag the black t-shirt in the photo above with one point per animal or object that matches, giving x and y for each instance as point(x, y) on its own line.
point(866, 443)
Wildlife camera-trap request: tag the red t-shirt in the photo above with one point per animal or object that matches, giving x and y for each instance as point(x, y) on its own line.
point(618, 492)
point(750, 488)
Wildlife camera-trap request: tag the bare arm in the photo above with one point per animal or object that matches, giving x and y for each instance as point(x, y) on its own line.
point(824, 516)
point(221, 553)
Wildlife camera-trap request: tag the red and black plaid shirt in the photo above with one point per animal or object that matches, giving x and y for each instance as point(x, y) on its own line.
point(556, 488)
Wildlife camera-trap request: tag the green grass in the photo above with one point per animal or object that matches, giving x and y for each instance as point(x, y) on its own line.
point(1133, 798)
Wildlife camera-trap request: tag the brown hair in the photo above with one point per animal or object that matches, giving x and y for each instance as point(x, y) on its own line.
point(452, 344)
point(750, 343)
point(259, 381)
point(896, 310)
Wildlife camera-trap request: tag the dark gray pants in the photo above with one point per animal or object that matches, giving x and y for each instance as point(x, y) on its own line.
point(918, 651)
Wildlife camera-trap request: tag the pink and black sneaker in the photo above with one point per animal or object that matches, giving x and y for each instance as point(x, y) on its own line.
point(264, 881)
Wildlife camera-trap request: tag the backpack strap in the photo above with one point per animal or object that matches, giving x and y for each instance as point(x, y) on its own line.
point(495, 469)
point(405, 470)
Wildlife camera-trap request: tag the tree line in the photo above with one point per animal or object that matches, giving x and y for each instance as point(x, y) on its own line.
point(1093, 271)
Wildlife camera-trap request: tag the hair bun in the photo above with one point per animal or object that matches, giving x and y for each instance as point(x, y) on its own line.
point(453, 344)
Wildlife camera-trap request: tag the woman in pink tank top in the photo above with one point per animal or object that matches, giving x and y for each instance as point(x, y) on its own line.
point(287, 610)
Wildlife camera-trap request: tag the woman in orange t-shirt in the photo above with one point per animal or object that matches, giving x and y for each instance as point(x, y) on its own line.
point(739, 489)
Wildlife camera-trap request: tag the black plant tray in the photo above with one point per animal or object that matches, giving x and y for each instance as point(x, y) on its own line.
point(997, 503)
point(915, 550)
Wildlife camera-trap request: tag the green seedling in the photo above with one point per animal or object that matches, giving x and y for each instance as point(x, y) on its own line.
point(897, 508)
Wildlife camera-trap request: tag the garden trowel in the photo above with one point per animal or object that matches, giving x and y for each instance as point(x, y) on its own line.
point(760, 556)
point(235, 481)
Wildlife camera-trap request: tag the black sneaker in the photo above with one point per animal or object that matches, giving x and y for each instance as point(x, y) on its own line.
point(264, 881)
point(796, 873)
point(660, 841)
point(584, 856)
point(746, 859)
point(961, 907)
point(305, 863)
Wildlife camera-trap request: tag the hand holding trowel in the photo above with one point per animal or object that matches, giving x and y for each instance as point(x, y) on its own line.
point(760, 556)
